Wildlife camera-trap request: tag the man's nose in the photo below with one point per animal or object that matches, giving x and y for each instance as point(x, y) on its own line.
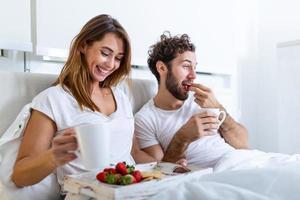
point(192, 74)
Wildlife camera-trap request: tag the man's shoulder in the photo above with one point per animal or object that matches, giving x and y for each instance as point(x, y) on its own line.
point(145, 110)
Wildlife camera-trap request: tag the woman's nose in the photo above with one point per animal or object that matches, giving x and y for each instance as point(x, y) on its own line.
point(110, 63)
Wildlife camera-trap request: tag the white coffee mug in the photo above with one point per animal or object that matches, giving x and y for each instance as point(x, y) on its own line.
point(94, 145)
point(218, 112)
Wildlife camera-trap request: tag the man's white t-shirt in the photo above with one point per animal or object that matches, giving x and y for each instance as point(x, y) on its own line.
point(156, 126)
point(60, 106)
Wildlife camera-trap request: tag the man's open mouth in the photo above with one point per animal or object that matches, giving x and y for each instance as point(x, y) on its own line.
point(186, 84)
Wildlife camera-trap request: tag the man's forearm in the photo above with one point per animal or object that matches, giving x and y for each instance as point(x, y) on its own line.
point(234, 133)
point(140, 156)
point(176, 148)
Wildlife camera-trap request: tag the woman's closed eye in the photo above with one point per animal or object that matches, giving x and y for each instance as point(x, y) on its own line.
point(103, 53)
point(119, 59)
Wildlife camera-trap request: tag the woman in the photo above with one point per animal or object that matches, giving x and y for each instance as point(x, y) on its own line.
point(83, 93)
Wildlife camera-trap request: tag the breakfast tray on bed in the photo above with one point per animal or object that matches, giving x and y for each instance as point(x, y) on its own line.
point(86, 186)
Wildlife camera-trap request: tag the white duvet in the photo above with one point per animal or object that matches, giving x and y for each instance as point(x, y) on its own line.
point(244, 174)
point(241, 174)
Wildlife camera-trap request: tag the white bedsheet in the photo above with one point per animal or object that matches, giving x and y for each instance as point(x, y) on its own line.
point(244, 174)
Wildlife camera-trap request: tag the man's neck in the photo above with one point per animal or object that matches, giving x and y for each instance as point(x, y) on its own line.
point(166, 101)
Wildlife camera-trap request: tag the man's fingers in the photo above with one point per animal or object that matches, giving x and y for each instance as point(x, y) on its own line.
point(206, 120)
point(200, 86)
point(210, 126)
point(206, 114)
point(182, 162)
point(209, 133)
point(199, 92)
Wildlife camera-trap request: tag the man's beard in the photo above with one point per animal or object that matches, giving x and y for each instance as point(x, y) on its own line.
point(174, 88)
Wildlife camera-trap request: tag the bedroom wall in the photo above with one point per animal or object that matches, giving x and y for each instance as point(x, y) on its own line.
point(210, 27)
point(251, 90)
point(246, 39)
point(277, 23)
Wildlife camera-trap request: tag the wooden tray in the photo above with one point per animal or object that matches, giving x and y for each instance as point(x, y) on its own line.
point(85, 186)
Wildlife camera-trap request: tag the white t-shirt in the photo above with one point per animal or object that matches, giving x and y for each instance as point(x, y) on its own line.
point(64, 110)
point(156, 126)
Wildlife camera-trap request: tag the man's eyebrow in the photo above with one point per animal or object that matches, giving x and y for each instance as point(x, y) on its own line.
point(187, 60)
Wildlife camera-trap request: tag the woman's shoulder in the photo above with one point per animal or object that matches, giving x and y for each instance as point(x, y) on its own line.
point(50, 91)
point(56, 92)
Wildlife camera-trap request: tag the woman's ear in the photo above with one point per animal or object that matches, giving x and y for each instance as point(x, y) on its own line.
point(82, 48)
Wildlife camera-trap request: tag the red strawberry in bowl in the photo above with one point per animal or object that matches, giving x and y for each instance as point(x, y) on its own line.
point(121, 168)
point(110, 170)
point(127, 179)
point(130, 168)
point(118, 178)
point(101, 176)
point(122, 174)
point(137, 175)
point(110, 179)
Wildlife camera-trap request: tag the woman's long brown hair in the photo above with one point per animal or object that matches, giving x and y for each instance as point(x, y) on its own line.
point(75, 76)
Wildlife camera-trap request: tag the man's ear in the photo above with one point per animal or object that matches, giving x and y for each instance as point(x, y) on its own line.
point(161, 67)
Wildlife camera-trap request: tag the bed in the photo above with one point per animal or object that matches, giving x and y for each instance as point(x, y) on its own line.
point(241, 174)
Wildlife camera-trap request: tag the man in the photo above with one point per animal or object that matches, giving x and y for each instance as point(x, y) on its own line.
point(170, 126)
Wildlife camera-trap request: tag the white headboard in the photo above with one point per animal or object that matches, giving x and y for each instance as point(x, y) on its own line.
point(17, 89)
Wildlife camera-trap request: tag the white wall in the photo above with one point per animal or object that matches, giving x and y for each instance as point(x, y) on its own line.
point(288, 97)
point(277, 21)
point(15, 23)
point(246, 40)
point(208, 23)
point(236, 39)
point(211, 28)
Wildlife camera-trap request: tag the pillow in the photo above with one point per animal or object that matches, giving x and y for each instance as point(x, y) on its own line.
point(10, 141)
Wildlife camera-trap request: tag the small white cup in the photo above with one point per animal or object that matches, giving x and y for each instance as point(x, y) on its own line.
point(218, 112)
point(94, 145)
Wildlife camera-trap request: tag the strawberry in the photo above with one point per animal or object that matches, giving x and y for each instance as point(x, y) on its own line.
point(137, 175)
point(121, 168)
point(110, 179)
point(127, 179)
point(101, 176)
point(110, 170)
point(130, 168)
point(118, 178)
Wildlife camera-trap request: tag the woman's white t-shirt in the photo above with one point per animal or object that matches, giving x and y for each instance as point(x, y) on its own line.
point(63, 109)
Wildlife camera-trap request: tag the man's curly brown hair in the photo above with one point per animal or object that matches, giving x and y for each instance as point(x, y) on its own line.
point(166, 50)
